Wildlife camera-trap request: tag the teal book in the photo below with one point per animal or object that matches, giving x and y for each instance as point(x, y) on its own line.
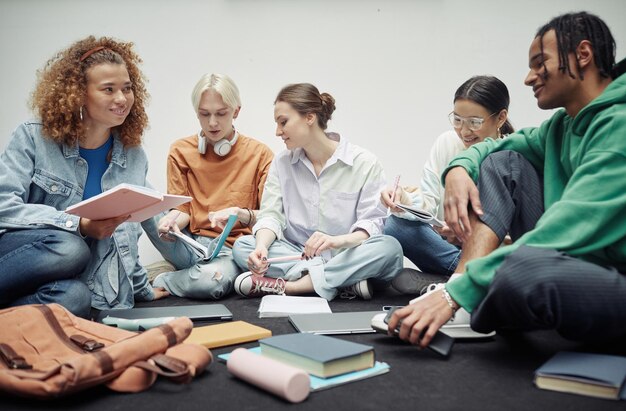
point(318, 383)
point(319, 355)
point(595, 375)
point(208, 253)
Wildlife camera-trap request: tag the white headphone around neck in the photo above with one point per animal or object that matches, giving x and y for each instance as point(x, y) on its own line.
point(221, 147)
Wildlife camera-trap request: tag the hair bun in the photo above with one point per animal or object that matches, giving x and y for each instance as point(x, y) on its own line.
point(328, 104)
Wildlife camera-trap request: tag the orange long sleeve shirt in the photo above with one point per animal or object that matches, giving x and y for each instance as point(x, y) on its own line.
point(214, 182)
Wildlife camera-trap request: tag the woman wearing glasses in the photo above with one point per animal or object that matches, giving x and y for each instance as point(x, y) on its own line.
point(480, 111)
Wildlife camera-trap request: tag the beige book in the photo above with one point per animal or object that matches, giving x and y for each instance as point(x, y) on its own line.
point(228, 333)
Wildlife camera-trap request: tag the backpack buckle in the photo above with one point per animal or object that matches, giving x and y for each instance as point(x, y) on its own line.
point(12, 360)
point(86, 344)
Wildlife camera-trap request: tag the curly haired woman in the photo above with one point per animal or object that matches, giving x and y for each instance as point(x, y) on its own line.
point(89, 100)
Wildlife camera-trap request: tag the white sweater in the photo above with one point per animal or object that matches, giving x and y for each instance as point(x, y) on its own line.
point(430, 193)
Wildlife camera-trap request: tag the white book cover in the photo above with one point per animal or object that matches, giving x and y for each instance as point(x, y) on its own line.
point(284, 305)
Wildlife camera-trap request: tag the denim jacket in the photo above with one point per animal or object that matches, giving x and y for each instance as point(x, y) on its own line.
point(40, 178)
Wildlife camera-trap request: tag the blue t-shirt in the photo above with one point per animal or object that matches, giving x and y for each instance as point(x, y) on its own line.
point(97, 164)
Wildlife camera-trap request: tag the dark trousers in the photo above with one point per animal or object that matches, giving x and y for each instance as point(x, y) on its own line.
point(539, 288)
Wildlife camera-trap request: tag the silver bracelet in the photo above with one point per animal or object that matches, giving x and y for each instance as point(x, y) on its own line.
point(453, 306)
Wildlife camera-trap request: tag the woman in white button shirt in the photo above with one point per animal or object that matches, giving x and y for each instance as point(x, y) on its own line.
point(320, 203)
point(90, 106)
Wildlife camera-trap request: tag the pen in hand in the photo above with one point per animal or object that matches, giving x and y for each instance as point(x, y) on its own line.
point(396, 181)
point(171, 222)
point(173, 219)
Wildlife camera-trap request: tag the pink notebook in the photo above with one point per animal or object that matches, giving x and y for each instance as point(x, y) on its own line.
point(139, 202)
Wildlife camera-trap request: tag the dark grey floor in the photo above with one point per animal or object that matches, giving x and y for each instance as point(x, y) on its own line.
point(489, 375)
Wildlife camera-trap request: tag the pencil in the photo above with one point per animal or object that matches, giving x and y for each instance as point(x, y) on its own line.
point(396, 181)
point(285, 258)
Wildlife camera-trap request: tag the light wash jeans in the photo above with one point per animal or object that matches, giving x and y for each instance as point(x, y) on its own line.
point(379, 258)
point(195, 278)
point(424, 246)
point(42, 266)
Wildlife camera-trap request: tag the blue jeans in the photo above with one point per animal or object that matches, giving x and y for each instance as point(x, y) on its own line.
point(41, 266)
point(194, 277)
point(378, 259)
point(424, 246)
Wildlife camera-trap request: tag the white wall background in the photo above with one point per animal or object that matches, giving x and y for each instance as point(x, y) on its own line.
point(393, 66)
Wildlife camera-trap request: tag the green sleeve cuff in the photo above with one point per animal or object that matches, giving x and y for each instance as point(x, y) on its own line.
point(465, 292)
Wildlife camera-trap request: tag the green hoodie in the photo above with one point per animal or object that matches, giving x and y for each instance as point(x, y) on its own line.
point(583, 162)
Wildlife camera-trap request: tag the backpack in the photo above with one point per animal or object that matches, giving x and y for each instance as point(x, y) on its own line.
point(46, 351)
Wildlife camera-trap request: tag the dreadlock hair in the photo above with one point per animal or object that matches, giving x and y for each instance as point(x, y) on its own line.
point(571, 29)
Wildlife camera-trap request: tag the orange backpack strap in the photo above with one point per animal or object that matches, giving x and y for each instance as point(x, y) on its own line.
point(181, 362)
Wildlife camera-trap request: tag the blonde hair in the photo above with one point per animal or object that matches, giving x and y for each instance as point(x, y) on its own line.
point(222, 84)
point(62, 86)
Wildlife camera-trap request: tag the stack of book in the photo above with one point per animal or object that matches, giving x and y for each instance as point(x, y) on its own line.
point(319, 355)
point(329, 361)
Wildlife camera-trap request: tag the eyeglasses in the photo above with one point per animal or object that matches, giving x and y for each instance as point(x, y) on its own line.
point(473, 123)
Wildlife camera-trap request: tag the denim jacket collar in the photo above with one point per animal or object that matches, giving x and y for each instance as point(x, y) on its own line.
point(118, 155)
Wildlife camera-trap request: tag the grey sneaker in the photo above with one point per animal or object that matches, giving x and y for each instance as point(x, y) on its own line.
point(157, 268)
point(411, 281)
point(361, 289)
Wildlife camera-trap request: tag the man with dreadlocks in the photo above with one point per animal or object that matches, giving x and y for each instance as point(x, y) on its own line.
point(559, 190)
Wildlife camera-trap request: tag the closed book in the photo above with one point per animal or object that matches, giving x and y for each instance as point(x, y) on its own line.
point(594, 375)
point(319, 355)
point(224, 334)
point(140, 203)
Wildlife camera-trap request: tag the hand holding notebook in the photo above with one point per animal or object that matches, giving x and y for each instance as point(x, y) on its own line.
point(139, 202)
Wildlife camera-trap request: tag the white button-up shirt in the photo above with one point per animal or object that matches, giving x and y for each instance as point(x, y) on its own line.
point(345, 197)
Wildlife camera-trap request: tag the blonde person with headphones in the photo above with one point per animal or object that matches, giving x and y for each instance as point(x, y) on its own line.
point(224, 172)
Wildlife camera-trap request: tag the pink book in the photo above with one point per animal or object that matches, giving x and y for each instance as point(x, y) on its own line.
point(139, 202)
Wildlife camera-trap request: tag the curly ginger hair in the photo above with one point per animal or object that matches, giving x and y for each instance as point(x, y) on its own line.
point(62, 86)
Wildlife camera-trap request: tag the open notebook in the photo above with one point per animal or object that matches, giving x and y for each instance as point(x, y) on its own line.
point(208, 253)
point(140, 203)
